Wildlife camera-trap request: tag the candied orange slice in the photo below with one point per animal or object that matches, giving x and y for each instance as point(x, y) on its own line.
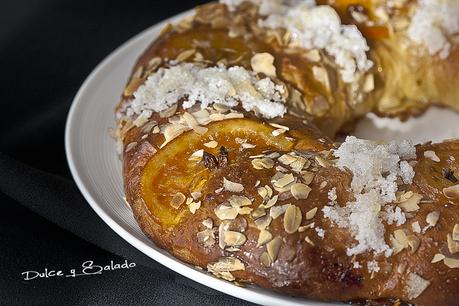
point(173, 170)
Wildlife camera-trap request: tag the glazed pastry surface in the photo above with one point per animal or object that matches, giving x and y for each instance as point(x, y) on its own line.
point(251, 185)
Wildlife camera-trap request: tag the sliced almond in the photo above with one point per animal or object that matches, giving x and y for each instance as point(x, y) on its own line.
point(130, 146)
point(232, 186)
point(451, 263)
point(411, 204)
point(148, 127)
point(413, 242)
point(273, 155)
point(456, 232)
point(284, 180)
point(222, 228)
point(154, 62)
point(432, 218)
point(263, 192)
point(269, 190)
point(312, 55)
point(263, 222)
point(432, 155)
point(226, 264)
point(300, 191)
point(256, 163)
point(292, 219)
point(308, 240)
point(233, 238)
point(263, 63)
point(311, 213)
point(262, 163)
point(239, 201)
point(226, 212)
point(273, 248)
point(183, 56)
point(201, 130)
point(206, 237)
point(277, 211)
point(211, 144)
point(453, 246)
point(202, 116)
point(197, 155)
point(405, 196)
point(322, 161)
point(222, 108)
point(307, 177)
point(399, 241)
point(416, 227)
point(171, 131)
point(259, 212)
point(300, 163)
point(303, 228)
point(415, 285)
point(451, 192)
point(178, 200)
point(438, 257)
point(281, 169)
point(208, 223)
point(248, 145)
point(168, 112)
point(287, 159)
point(265, 259)
point(134, 83)
point(278, 132)
point(264, 237)
point(196, 195)
point(279, 126)
point(190, 120)
point(271, 202)
point(401, 268)
point(267, 162)
point(194, 206)
point(321, 75)
point(323, 185)
point(244, 210)
point(369, 83)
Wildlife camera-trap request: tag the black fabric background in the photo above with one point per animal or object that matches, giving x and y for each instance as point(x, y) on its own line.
point(47, 48)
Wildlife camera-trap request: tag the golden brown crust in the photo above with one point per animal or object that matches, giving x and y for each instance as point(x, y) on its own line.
point(322, 271)
point(306, 265)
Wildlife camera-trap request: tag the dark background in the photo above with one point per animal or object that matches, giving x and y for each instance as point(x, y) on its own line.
point(47, 48)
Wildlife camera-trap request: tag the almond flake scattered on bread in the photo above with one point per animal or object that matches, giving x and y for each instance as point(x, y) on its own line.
point(415, 285)
point(232, 186)
point(263, 63)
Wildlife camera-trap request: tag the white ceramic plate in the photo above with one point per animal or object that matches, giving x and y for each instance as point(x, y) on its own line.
point(96, 169)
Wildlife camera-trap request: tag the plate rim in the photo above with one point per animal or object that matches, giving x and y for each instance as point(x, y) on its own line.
point(269, 297)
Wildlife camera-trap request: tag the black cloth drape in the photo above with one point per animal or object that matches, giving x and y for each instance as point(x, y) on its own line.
point(47, 48)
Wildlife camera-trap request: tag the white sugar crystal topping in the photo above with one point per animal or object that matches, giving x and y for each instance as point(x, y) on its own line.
point(432, 24)
point(373, 266)
point(319, 27)
point(394, 215)
point(228, 86)
point(375, 168)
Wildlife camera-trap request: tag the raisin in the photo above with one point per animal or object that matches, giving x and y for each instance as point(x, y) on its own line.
point(222, 157)
point(209, 160)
